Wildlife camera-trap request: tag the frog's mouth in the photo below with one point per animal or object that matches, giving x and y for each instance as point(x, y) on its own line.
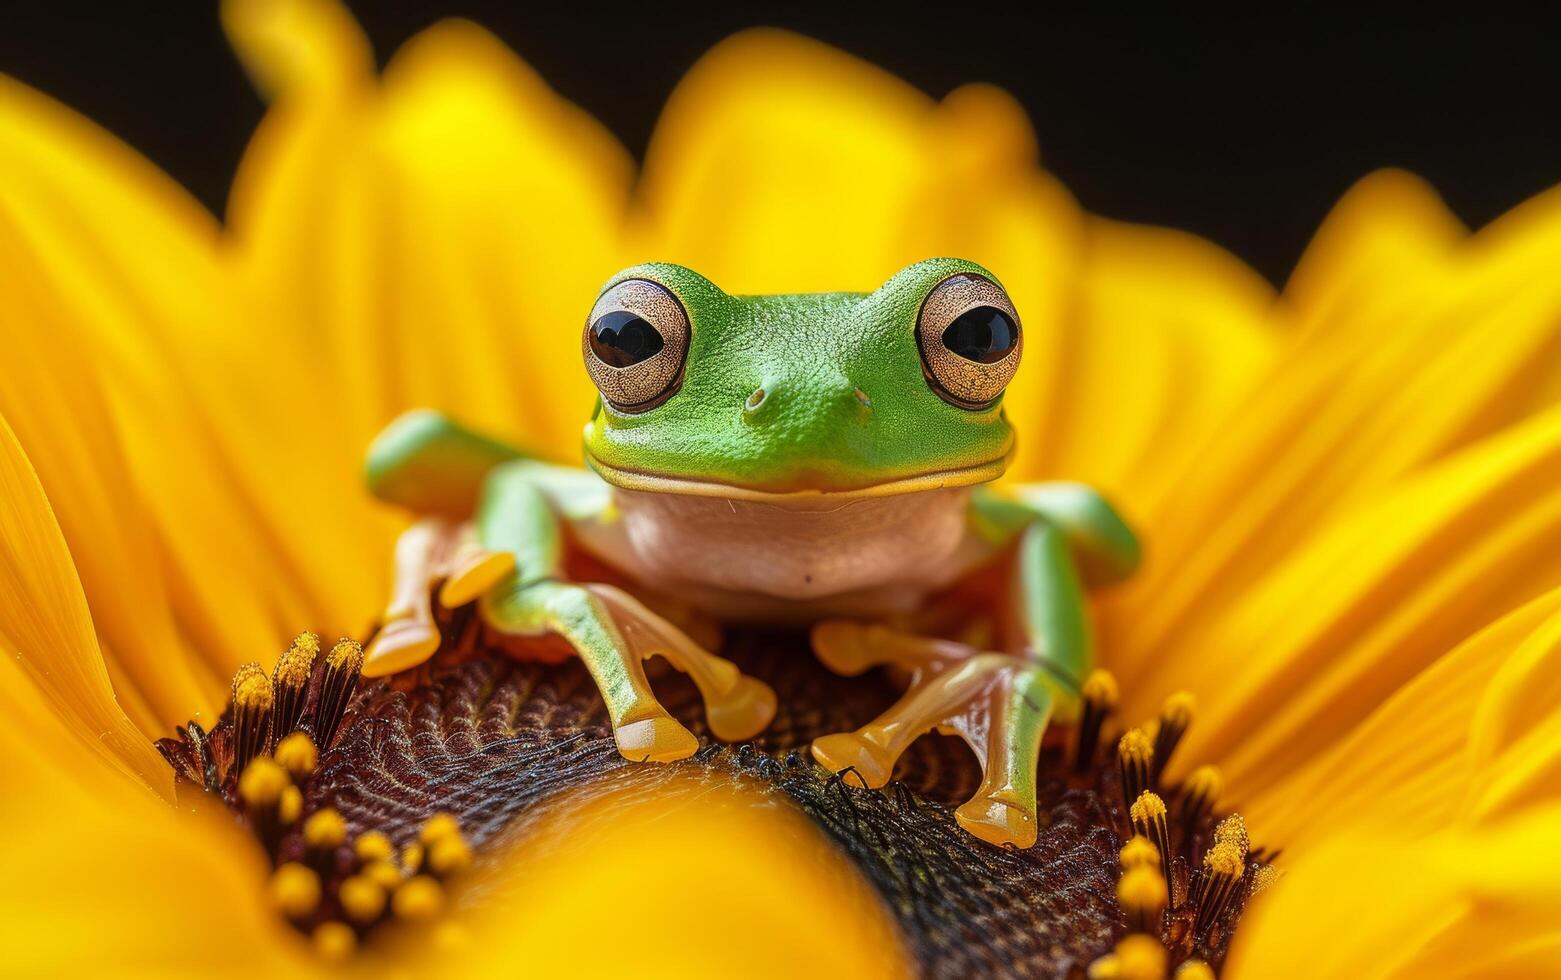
point(802, 487)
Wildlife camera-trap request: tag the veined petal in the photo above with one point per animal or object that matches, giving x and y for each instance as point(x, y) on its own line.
point(1345, 413)
point(1421, 760)
point(50, 649)
point(1370, 902)
point(1301, 656)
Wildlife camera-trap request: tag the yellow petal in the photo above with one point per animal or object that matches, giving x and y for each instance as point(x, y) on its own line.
point(1286, 666)
point(1449, 347)
point(1164, 336)
point(103, 256)
point(782, 165)
point(1514, 754)
point(1424, 757)
point(46, 631)
point(509, 202)
point(297, 48)
point(100, 871)
point(729, 866)
point(1384, 241)
point(1371, 903)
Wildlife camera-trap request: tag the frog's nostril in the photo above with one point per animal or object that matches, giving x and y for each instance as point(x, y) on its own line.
point(755, 401)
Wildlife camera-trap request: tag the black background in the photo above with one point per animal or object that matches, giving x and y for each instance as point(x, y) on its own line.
point(1243, 129)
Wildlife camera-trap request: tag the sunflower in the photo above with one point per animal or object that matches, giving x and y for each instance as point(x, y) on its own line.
point(1348, 489)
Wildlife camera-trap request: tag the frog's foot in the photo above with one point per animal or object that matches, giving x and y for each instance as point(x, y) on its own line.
point(428, 553)
point(998, 703)
point(614, 634)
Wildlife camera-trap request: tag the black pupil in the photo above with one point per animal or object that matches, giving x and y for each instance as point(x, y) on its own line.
point(621, 338)
point(984, 334)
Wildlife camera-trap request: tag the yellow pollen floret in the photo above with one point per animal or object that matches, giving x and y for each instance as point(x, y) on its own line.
point(295, 890)
point(1224, 859)
point(438, 827)
point(1139, 851)
point(1142, 889)
point(362, 898)
point(290, 805)
point(297, 755)
point(1147, 807)
point(384, 873)
point(1178, 709)
point(325, 829)
point(251, 688)
point(295, 666)
point(1136, 957)
point(1136, 746)
point(449, 855)
point(1233, 830)
point(262, 782)
point(334, 941)
point(307, 642)
point(1205, 782)
point(1100, 687)
point(373, 846)
point(1194, 970)
point(418, 899)
point(346, 654)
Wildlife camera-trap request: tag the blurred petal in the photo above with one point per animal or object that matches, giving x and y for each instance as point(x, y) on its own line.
point(1384, 241)
point(524, 195)
point(729, 864)
point(106, 263)
point(783, 165)
point(293, 47)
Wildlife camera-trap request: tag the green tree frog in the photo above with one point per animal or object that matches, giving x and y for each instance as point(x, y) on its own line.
point(817, 459)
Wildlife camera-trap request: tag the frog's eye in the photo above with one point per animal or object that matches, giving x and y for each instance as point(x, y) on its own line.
point(634, 344)
point(970, 341)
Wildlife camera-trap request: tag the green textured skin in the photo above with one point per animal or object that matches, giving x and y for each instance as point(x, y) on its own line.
point(811, 355)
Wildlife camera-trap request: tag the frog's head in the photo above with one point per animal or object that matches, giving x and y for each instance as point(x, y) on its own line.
point(890, 391)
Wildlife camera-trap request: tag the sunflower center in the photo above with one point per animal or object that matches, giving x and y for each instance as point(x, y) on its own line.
point(371, 796)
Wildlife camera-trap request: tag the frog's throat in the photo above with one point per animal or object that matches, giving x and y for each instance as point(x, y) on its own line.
point(965, 476)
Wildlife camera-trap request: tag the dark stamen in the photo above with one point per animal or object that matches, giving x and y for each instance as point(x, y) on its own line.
point(291, 681)
point(252, 711)
point(342, 667)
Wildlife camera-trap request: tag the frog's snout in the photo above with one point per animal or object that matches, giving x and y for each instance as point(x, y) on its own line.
point(834, 401)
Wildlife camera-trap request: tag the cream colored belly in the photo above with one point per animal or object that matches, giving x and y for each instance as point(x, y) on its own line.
point(795, 559)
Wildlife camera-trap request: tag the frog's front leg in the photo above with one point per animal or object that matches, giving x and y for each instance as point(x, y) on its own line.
point(611, 631)
point(1000, 703)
